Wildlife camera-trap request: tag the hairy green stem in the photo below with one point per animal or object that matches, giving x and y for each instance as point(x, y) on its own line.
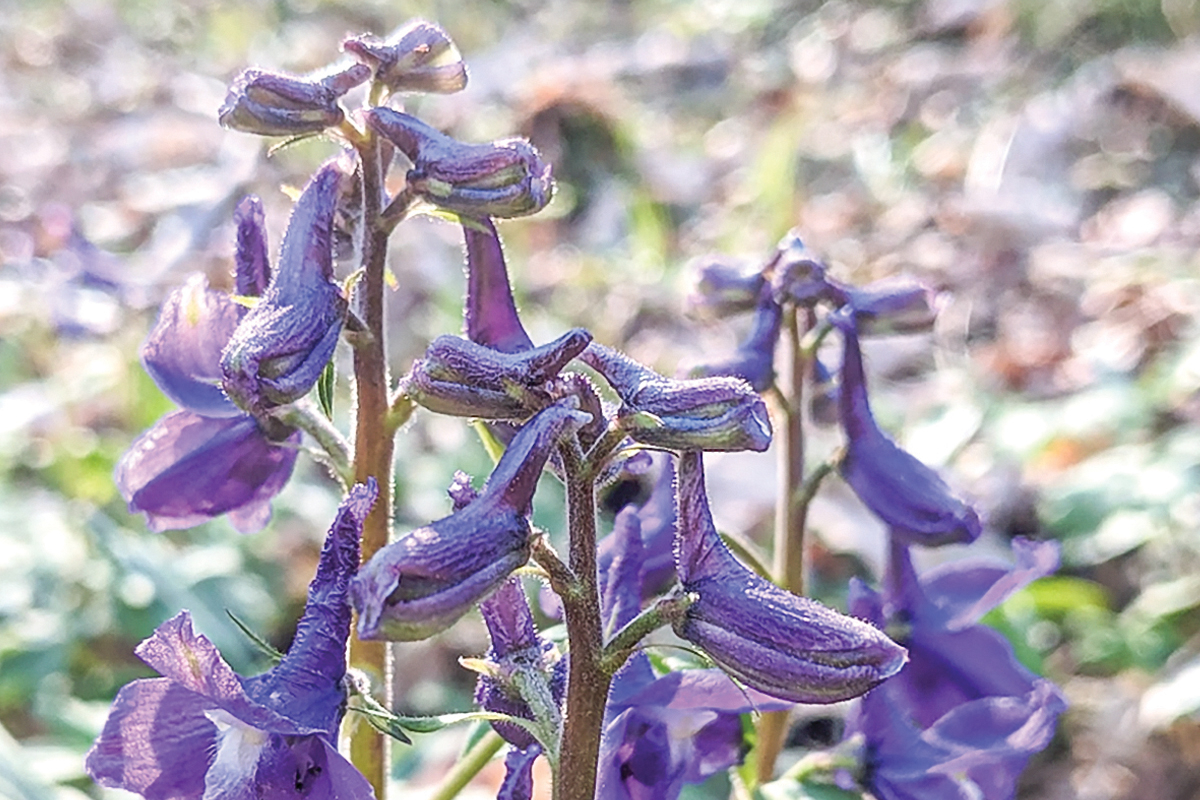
point(665, 611)
point(468, 766)
point(370, 751)
point(587, 684)
point(308, 418)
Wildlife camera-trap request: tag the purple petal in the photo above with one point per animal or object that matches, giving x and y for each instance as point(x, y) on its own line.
point(306, 686)
point(156, 741)
point(307, 768)
point(518, 773)
point(787, 646)
point(907, 495)
point(965, 591)
point(188, 469)
point(183, 351)
point(656, 519)
point(622, 597)
point(491, 312)
point(253, 269)
point(754, 361)
point(509, 620)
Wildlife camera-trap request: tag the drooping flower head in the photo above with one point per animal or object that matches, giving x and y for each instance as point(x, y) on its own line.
point(787, 646)
point(275, 104)
point(203, 731)
point(906, 494)
point(721, 413)
point(422, 583)
point(279, 349)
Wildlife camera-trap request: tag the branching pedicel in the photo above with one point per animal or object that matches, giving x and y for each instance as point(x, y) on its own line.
point(608, 723)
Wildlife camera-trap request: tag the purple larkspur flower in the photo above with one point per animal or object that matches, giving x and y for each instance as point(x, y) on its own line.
point(891, 305)
point(208, 458)
point(661, 733)
point(423, 582)
point(722, 413)
point(782, 644)
point(906, 494)
point(516, 648)
point(754, 360)
point(655, 525)
point(518, 773)
point(798, 276)
point(280, 347)
point(964, 716)
point(504, 178)
point(203, 731)
point(275, 104)
point(723, 288)
point(495, 372)
point(419, 57)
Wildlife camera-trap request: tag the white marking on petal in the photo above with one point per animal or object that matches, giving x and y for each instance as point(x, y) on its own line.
point(238, 748)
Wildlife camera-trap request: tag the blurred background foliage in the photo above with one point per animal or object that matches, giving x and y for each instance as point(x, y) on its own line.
point(1037, 161)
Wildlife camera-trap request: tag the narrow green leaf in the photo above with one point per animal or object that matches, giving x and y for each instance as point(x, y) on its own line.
point(325, 389)
point(259, 642)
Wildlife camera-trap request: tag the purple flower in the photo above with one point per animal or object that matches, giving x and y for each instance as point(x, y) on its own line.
point(663, 732)
point(699, 414)
point(787, 646)
point(516, 648)
point(209, 458)
point(907, 495)
point(253, 272)
point(723, 289)
point(422, 583)
point(203, 731)
point(654, 524)
point(279, 349)
point(274, 104)
point(419, 57)
point(798, 275)
point(754, 361)
point(518, 773)
point(505, 178)
point(953, 660)
point(891, 305)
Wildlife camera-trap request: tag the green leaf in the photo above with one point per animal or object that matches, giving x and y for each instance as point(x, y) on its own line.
point(325, 389)
point(262, 644)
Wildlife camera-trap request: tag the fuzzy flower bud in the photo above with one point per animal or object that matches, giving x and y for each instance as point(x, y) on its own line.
point(419, 57)
point(422, 583)
point(505, 178)
point(722, 289)
point(722, 413)
point(274, 104)
point(787, 646)
point(278, 351)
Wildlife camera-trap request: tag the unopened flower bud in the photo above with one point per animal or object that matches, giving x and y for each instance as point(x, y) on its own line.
point(423, 582)
point(892, 305)
point(799, 276)
point(721, 413)
point(281, 346)
point(462, 378)
point(906, 494)
point(504, 178)
point(777, 642)
point(274, 104)
point(419, 57)
point(252, 273)
point(722, 289)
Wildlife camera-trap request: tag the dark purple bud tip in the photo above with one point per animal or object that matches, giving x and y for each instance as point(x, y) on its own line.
point(504, 178)
point(721, 413)
point(275, 104)
point(426, 580)
point(281, 346)
point(903, 492)
point(799, 276)
point(419, 57)
point(787, 646)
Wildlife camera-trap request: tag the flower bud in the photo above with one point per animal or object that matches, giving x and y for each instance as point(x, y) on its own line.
point(422, 583)
point(505, 178)
point(274, 104)
point(419, 57)
point(782, 644)
point(462, 378)
point(252, 272)
point(754, 361)
point(723, 289)
point(281, 346)
point(906, 494)
point(721, 413)
point(491, 313)
point(518, 656)
point(799, 276)
point(892, 305)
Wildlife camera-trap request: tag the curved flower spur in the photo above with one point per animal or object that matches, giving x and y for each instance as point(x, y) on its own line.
point(422, 583)
point(782, 644)
point(202, 731)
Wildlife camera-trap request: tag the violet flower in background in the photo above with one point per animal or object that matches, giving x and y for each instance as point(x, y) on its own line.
point(504, 178)
point(654, 523)
point(202, 731)
point(788, 646)
point(661, 733)
point(422, 583)
point(797, 275)
point(209, 458)
point(888, 306)
point(723, 289)
point(279, 349)
point(419, 57)
point(274, 104)
point(721, 413)
point(906, 494)
point(754, 360)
